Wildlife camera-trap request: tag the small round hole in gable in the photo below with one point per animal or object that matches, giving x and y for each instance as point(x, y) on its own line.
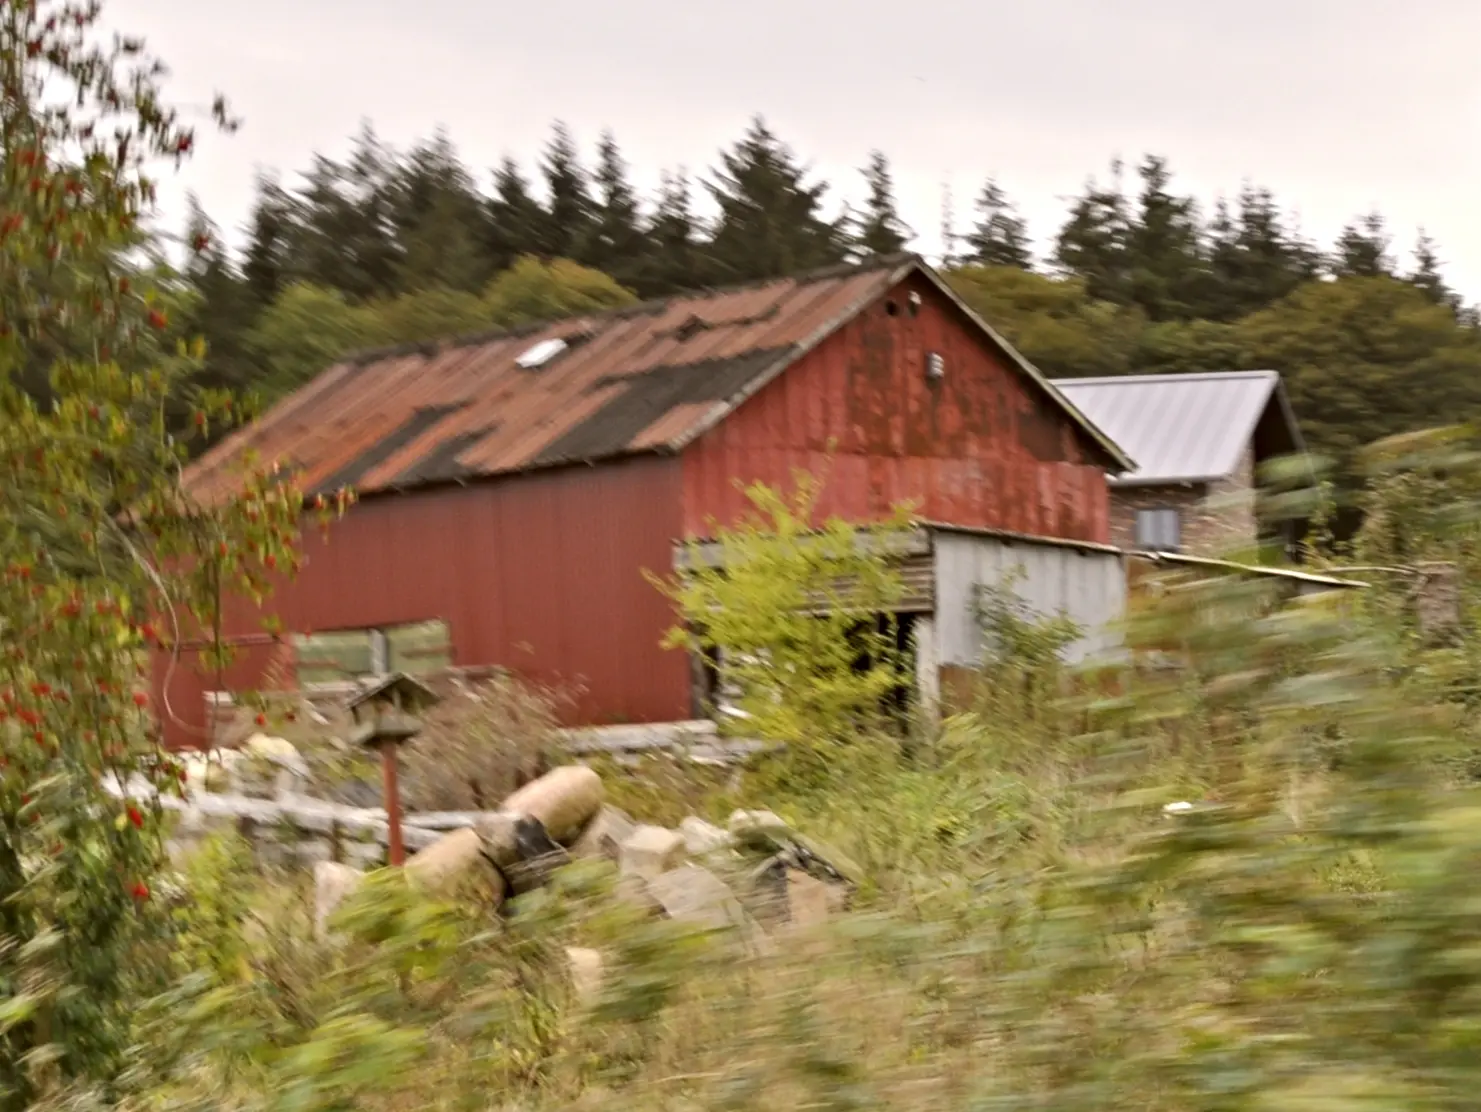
point(892, 308)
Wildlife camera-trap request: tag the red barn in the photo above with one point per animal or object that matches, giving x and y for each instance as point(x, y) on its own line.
point(514, 486)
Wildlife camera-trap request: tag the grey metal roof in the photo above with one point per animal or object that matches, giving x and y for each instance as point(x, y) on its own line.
point(1180, 427)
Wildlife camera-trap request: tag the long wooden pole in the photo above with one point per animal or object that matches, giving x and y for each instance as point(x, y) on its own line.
point(392, 789)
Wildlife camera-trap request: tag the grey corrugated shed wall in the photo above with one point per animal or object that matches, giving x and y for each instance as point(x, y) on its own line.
point(1176, 427)
point(1087, 584)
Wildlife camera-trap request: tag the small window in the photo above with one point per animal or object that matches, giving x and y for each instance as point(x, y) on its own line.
point(334, 657)
point(419, 649)
point(1159, 529)
point(351, 654)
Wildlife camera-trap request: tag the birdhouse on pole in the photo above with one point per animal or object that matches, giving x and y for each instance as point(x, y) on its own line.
point(388, 714)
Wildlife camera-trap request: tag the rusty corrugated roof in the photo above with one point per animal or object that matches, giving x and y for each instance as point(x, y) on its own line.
point(648, 378)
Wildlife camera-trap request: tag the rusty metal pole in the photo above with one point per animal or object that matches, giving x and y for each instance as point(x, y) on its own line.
point(392, 789)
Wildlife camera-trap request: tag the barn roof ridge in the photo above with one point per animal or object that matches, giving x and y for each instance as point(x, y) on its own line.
point(625, 383)
point(650, 306)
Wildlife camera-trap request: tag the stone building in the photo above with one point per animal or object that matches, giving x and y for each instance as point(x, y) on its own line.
point(1199, 441)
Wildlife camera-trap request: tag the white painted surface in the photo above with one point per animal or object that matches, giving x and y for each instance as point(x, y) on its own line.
point(1087, 584)
point(927, 666)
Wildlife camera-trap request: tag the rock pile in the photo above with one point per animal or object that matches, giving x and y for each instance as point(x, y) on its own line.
point(754, 876)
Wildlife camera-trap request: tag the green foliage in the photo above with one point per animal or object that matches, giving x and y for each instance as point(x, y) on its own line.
point(305, 330)
point(532, 290)
point(1365, 358)
point(615, 245)
point(437, 212)
point(429, 315)
point(570, 214)
point(1051, 320)
point(103, 560)
point(801, 615)
point(1000, 236)
point(771, 222)
point(880, 230)
point(1033, 930)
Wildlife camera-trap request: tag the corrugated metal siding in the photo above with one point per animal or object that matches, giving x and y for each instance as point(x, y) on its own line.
point(1088, 585)
point(1176, 427)
point(983, 447)
point(541, 574)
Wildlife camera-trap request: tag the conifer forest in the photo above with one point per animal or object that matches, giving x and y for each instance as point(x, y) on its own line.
point(389, 246)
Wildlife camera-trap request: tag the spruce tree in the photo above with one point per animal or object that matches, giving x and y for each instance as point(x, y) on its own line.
point(345, 236)
point(1426, 275)
point(570, 209)
point(1166, 270)
point(1362, 250)
point(1223, 300)
point(267, 261)
point(880, 231)
point(771, 222)
point(1274, 259)
point(1093, 244)
point(673, 254)
point(223, 307)
point(615, 244)
point(999, 237)
point(439, 220)
point(515, 224)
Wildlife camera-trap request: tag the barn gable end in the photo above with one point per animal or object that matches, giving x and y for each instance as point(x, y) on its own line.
point(981, 445)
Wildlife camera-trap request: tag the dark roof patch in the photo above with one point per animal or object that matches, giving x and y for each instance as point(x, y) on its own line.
point(441, 464)
point(414, 426)
point(641, 399)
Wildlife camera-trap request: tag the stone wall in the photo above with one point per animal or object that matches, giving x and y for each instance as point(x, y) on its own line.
point(1216, 517)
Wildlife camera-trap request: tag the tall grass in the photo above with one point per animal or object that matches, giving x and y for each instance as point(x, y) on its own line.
point(1036, 931)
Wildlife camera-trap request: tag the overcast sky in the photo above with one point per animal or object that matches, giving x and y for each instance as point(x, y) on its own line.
point(1337, 105)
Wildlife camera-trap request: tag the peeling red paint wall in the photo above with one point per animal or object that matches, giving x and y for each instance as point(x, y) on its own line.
point(981, 447)
point(542, 574)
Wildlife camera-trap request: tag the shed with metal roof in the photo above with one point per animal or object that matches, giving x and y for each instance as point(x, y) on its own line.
point(1188, 428)
point(1199, 441)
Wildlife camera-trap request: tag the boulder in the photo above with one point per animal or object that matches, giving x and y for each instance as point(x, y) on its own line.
point(764, 889)
point(765, 832)
point(455, 865)
point(760, 830)
point(563, 801)
point(210, 771)
point(333, 884)
point(824, 861)
point(278, 750)
point(270, 767)
point(650, 850)
point(702, 838)
point(810, 901)
point(585, 967)
point(692, 894)
point(634, 891)
point(603, 835)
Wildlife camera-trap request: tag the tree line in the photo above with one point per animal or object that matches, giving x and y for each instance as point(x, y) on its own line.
point(389, 246)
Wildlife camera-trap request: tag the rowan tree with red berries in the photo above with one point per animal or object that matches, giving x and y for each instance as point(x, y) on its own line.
point(103, 558)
